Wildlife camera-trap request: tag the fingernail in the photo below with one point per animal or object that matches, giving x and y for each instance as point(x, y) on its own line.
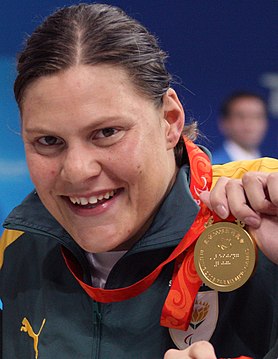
point(252, 221)
point(222, 211)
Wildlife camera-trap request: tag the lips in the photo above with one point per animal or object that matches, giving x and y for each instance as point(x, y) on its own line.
point(93, 200)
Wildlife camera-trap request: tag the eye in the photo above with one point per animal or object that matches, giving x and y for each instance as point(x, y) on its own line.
point(106, 132)
point(50, 141)
point(108, 136)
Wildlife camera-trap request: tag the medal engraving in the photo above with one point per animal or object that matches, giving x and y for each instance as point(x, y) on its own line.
point(225, 256)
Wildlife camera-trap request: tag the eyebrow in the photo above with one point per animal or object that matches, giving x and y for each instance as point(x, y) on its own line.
point(100, 123)
point(36, 130)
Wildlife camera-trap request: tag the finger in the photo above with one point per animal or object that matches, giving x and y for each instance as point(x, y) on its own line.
point(198, 350)
point(227, 197)
point(239, 206)
point(202, 350)
point(205, 198)
point(216, 199)
point(272, 185)
point(175, 354)
point(265, 237)
point(262, 191)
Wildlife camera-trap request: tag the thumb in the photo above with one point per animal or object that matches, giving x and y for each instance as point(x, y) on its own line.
point(205, 198)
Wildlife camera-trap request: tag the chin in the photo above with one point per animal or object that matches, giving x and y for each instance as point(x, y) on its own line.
point(90, 248)
point(102, 238)
point(103, 245)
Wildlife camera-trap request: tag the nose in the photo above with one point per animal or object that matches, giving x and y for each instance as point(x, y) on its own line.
point(80, 164)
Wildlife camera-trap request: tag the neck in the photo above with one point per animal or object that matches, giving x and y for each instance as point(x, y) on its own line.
point(143, 229)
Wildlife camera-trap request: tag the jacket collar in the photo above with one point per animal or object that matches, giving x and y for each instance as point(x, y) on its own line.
point(172, 221)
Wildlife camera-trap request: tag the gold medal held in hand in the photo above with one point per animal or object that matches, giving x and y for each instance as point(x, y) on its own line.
point(225, 255)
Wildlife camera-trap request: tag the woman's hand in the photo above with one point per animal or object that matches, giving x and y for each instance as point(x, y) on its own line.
point(198, 350)
point(253, 200)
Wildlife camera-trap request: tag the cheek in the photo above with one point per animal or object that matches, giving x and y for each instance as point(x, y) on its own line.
point(42, 171)
point(128, 161)
point(127, 170)
point(262, 126)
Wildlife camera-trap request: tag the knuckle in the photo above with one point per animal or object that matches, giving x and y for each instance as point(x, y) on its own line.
point(203, 343)
point(232, 183)
point(170, 354)
point(272, 177)
point(249, 177)
point(241, 212)
point(203, 347)
point(222, 181)
point(261, 206)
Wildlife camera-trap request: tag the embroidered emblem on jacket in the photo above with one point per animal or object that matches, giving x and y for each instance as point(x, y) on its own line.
point(203, 321)
point(27, 328)
point(199, 314)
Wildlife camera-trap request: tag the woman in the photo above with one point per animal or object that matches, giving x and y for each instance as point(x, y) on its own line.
point(102, 130)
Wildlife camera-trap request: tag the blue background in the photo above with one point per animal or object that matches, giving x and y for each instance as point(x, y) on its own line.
point(215, 47)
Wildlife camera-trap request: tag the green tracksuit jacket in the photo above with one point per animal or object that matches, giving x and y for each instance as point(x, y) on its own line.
point(46, 314)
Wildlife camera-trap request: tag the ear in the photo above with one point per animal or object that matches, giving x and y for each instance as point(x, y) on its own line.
point(174, 118)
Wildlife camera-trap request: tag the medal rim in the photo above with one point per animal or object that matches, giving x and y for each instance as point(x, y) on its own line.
point(252, 255)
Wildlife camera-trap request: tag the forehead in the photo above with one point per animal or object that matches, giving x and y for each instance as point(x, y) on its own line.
point(247, 104)
point(79, 80)
point(84, 96)
point(101, 86)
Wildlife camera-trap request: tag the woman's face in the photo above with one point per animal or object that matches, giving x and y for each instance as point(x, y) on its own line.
point(100, 154)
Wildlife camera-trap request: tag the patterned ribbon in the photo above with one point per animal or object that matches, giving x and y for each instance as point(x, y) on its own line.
point(176, 312)
point(177, 309)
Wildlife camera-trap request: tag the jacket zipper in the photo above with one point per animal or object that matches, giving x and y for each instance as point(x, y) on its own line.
point(96, 329)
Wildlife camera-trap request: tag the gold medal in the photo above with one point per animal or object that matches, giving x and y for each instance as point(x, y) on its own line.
point(225, 255)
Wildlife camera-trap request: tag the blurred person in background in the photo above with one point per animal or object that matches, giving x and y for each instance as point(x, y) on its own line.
point(243, 122)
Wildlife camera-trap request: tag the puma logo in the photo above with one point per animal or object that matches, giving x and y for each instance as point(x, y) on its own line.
point(27, 328)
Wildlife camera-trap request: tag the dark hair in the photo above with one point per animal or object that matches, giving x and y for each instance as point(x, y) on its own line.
point(225, 108)
point(91, 34)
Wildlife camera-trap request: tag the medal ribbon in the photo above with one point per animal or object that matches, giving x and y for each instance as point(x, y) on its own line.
point(177, 309)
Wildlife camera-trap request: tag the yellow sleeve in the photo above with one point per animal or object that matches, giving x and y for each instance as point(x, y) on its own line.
point(238, 168)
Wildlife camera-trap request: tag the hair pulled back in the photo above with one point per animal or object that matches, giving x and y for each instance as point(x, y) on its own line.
point(91, 34)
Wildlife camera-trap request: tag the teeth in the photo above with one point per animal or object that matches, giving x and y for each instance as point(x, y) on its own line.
point(84, 201)
point(92, 200)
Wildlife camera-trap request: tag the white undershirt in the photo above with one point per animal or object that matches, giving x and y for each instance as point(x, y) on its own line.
point(238, 153)
point(101, 265)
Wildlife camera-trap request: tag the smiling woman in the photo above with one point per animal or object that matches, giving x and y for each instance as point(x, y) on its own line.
point(69, 157)
point(117, 207)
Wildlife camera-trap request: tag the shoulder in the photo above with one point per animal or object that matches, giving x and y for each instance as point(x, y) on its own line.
point(237, 169)
point(8, 237)
point(18, 247)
